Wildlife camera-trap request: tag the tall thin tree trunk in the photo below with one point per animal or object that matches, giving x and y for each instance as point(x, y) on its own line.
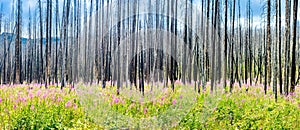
point(206, 50)
point(89, 64)
point(287, 47)
point(85, 41)
point(97, 42)
point(47, 44)
point(18, 45)
point(56, 41)
point(225, 47)
point(293, 69)
point(118, 43)
point(41, 70)
point(232, 46)
point(279, 50)
point(268, 56)
point(65, 31)
point(275, 54)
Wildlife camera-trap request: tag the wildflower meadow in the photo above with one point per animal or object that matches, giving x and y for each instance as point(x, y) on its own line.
point(34, 107)
point(149, 64)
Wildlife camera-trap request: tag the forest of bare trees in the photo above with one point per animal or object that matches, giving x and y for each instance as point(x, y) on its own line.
point(138, 42)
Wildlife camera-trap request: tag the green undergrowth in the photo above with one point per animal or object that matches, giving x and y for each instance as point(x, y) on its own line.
point(32, 107)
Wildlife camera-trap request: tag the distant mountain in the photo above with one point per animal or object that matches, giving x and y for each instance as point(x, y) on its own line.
point(12, 36)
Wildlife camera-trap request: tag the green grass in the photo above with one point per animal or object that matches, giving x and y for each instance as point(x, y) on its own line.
point(90, 107)
point(39, 108)
point(244, 110)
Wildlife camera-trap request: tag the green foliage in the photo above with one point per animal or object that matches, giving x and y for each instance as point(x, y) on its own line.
point(22, 107)
point(25, 108)
point(245, 110)
point(160, 108)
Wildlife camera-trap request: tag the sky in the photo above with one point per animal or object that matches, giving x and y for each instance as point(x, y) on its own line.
point(255, 4)
point(256, 8)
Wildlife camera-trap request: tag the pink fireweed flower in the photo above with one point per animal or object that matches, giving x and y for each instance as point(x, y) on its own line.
point(17, 101)
point(145, 111)
point(72, 88)
point(30, 95)
point(22, 99)
point(15, 106)
point(68, 104)
point(162, 98)
point(291, 94)
point(174, 102)
point(243, 101)
point(32, 107)
point(45, 95)
point(38, 93)
point(299, 105)
point(0, 100)
point(34, 85)
point(75, 106)
point(180, 96)
point(58, 99)
point(112, 96)
point(116, 100)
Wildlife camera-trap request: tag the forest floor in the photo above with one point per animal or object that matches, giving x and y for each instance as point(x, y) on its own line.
point(88, 107)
